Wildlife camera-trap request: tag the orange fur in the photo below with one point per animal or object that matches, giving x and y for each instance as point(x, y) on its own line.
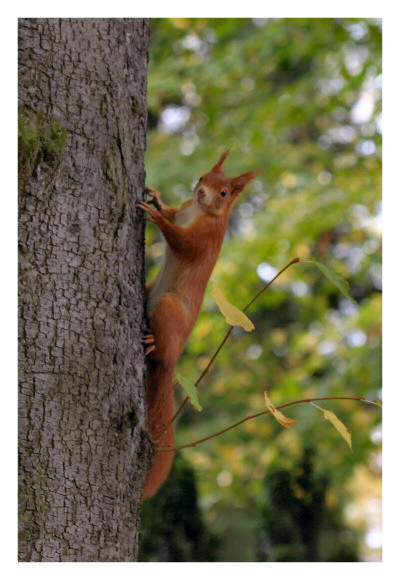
point(194, 236)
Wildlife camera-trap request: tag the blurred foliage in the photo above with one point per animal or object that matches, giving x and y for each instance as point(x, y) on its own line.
point(298, 100)
point(299, 525)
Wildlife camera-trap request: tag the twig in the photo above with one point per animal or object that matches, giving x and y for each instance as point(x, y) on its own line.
point(160, 448)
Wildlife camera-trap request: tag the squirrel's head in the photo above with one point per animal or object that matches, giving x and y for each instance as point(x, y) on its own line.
point(215, 192)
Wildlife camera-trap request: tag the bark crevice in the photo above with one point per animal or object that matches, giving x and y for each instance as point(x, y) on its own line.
point(81, 288)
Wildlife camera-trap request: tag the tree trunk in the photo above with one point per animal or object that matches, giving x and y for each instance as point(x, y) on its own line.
point(83, 444)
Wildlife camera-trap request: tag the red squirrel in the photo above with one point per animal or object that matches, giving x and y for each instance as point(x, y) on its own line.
point(194, 236)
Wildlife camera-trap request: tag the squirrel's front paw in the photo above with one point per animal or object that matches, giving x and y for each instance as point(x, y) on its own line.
point(156, 195)
point(155, 214)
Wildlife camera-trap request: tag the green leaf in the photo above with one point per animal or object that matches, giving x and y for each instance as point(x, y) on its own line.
point(190, 389)
point(335, 278)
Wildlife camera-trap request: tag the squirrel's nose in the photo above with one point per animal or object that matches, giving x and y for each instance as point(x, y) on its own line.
point(201, 193)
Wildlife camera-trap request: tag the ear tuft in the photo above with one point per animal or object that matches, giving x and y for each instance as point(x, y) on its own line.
point(218, 167)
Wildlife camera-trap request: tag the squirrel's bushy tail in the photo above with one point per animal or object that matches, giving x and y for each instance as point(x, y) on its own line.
point(159, 383)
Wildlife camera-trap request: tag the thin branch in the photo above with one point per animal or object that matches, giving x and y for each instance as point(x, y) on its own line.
point(244, 310)
point(159, 448)
point(295, 261)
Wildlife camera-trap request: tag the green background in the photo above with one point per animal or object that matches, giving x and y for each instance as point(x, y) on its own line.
point(299, 101)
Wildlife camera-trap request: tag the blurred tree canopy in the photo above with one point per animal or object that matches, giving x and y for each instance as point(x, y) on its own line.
point(298, 100)
point(298, 525)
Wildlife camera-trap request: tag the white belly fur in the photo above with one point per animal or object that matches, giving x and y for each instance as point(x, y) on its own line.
point(187, 214)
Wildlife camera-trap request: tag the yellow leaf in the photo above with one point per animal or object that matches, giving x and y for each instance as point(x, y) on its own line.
point(233, 315)
point(337, 424)
point(280, 417)
point(378, 403)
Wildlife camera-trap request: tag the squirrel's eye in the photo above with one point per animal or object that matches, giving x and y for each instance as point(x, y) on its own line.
point(223, 193)
point(200, 178)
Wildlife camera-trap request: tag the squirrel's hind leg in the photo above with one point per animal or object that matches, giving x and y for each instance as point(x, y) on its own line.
point(171, 326)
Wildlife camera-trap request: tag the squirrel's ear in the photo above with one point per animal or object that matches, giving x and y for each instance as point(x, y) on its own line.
point(239, 183)
point(218, 166)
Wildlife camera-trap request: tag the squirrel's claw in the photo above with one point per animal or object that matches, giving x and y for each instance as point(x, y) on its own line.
point(151, 191)
point(145, 207)
point(149, 339)
point(156, 195)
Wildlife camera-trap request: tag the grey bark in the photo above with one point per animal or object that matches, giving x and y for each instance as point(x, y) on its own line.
point(83, 445)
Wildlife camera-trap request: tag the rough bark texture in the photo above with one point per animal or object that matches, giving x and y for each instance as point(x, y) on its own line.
point(84, 449)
